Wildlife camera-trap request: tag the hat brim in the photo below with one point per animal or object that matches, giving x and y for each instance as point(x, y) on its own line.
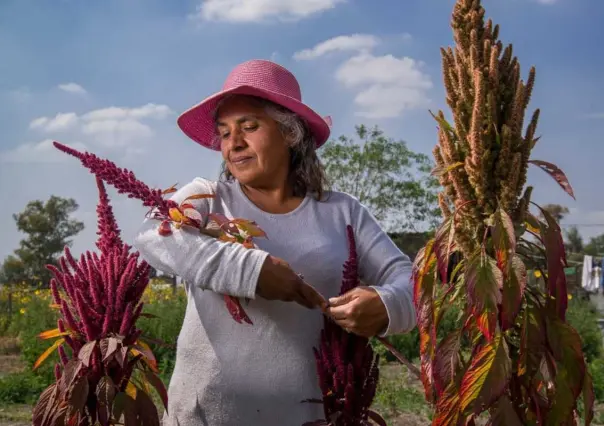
point(198, 121)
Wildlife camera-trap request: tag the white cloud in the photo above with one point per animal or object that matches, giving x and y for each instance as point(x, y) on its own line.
point(60, 123)
point(366, 68)
point(386, 86)
point(152, 111)
point(74, 88)
point(40, 152)
point(354, 42)
point(260, 10)
point(110, 127)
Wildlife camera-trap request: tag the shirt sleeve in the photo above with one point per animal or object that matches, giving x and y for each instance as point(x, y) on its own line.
point(200, 260)
point(386, 269)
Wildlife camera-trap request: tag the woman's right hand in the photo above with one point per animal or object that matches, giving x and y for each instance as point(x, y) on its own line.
point(277, 281)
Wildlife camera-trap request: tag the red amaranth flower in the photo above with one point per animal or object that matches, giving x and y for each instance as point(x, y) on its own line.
point(347, 368)
point(123, 180)
point(98, 323)
point(167, 211)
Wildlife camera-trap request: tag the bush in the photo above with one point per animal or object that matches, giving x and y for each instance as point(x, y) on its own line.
point(583, 316)
point(168, 310)
point(596, 368)
point(23, 388)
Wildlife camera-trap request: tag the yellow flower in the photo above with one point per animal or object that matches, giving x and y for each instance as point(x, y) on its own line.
point(22, 311)
point(537, 274)
point(570, 296)
point(37, 292)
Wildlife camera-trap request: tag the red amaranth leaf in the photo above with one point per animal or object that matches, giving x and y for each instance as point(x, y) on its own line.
point(556, 262)
point(504, 238)
point(156, 382)
point(447, 408)
point(443, 246)
point(556, 173)
point(234, 307)
point(566, 346)
point(513, 289)
point(424, 278)
point(487, 377)
point(105, 394)
point(46, 406)
point(447, 361)
point(589, 398)
point(504, 414)
point(484, 281)
point(86, 353)
point(531, 341)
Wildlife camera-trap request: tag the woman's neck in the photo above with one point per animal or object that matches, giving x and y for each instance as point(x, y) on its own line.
point(277, 200)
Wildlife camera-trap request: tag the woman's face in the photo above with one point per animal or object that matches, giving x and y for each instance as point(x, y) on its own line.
point(252, 146)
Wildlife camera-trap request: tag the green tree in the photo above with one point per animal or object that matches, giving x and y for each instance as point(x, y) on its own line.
point(595, 246)
point(574, 240)
point(48, 228)
point(386, 176)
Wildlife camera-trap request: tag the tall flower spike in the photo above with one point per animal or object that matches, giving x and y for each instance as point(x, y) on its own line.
point(123, 180)
point(346, 365)
point(108, 231)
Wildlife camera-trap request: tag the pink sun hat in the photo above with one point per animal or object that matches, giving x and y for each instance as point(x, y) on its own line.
point(261, 78)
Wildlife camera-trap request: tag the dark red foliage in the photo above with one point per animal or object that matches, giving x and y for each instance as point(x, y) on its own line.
point(346, 365)
point(99, 298)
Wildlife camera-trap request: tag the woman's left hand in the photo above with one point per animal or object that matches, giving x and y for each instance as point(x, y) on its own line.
point(360, 311)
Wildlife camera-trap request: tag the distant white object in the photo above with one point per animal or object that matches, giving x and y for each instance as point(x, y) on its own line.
point(588, 281)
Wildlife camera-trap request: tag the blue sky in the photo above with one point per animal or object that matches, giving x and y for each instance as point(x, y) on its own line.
point(113, 76)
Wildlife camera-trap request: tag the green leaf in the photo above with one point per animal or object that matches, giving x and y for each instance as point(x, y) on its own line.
point(565, 344)
point(513, 289)
point(447, 361)
point(438, 171)
point(484, 281)
point(504, 413)
point(503, 236)
point(487, 377)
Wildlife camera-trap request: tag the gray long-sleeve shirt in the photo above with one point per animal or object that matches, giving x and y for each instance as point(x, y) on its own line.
point(229, 374)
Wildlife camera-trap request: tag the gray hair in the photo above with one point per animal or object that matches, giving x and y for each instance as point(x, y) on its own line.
point(305, 168)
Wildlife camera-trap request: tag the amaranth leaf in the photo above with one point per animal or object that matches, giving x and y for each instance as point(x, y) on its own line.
point(565, 344)
point(443, 245)
point(504, 237)
point(556, 173)
point(513, 289)
point(504, 413)
point(447, 361)
point(484, 281)
point(487, 377)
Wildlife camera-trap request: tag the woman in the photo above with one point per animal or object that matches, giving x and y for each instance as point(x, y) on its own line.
point(228, 373)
